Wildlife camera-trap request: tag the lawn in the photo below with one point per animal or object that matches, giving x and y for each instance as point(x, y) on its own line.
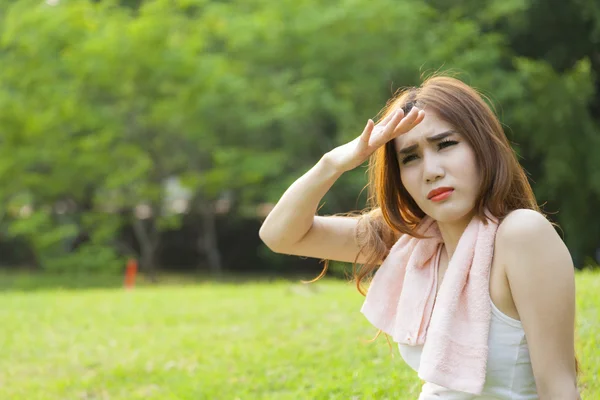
point(256, 340)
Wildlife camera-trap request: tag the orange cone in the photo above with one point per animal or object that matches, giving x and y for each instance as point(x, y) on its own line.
point(130, 273)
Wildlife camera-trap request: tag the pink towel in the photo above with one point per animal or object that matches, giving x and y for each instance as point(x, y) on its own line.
point(455, 332)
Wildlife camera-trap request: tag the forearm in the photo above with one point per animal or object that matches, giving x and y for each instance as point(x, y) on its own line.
point(293, 215)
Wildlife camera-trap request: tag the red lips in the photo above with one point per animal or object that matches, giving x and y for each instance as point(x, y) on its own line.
point(439, 190)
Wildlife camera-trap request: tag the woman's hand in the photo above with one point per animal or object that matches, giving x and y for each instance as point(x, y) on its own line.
point(354, 153)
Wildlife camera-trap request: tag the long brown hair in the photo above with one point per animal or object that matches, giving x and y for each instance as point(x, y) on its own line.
point(391, 211)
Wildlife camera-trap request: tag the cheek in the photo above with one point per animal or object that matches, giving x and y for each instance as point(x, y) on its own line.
point(470, 170)
point(410, 180)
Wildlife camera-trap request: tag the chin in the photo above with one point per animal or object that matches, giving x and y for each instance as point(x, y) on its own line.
point(449, 213)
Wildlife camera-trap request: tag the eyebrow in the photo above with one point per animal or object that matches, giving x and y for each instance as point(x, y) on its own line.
point(431, 139)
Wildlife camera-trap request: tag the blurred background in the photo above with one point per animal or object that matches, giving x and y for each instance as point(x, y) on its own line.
point(163, 131)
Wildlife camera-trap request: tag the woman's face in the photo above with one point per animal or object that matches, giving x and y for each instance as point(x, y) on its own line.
point(433, 155)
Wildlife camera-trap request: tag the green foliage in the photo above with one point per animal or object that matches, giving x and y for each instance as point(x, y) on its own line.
point(101, 103)
point(88, 258)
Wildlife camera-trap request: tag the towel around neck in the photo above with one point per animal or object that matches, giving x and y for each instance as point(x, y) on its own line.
point(400, 301)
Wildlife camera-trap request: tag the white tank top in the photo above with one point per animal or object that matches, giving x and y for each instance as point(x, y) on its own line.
point(509, 375)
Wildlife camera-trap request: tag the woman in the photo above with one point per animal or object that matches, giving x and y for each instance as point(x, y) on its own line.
point(442, 166)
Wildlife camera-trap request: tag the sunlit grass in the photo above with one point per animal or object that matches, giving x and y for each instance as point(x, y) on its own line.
point(278, 340)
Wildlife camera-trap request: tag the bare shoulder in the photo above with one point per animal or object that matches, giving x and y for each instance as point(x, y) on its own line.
point(531, 247)
point(523, 225)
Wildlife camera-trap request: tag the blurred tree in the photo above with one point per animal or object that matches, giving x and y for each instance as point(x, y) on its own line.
point(103, 103)
point(144, 102)
point(552, 106)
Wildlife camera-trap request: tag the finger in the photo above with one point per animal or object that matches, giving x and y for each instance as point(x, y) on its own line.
point(383, 131)
point(412, 119)
point(420, 117)
point(416, 118)
point(391, 126)
point(391, 119)
point(414, 113)
point(366, 133)
point(392, 115)
point(387, 134)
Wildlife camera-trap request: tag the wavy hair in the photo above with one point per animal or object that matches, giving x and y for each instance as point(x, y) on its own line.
point(392, 212)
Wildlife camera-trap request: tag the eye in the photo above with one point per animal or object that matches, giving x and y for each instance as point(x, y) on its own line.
point(408, 158)
point(446, 143)
point(441, 145)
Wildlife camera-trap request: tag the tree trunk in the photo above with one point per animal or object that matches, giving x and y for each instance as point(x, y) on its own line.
point(208, 242)
point(147, 236)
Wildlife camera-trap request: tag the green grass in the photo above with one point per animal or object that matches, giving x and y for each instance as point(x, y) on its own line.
point(278, 340)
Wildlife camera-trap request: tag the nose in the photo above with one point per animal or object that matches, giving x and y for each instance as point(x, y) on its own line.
point(432, 168)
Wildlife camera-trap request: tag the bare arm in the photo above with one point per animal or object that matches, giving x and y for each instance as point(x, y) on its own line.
point(292, 226)
point(541, 277)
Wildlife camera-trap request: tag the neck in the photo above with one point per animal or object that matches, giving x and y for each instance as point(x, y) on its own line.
point(452, 231)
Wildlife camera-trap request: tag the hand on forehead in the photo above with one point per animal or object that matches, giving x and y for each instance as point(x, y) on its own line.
point(431, 125)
